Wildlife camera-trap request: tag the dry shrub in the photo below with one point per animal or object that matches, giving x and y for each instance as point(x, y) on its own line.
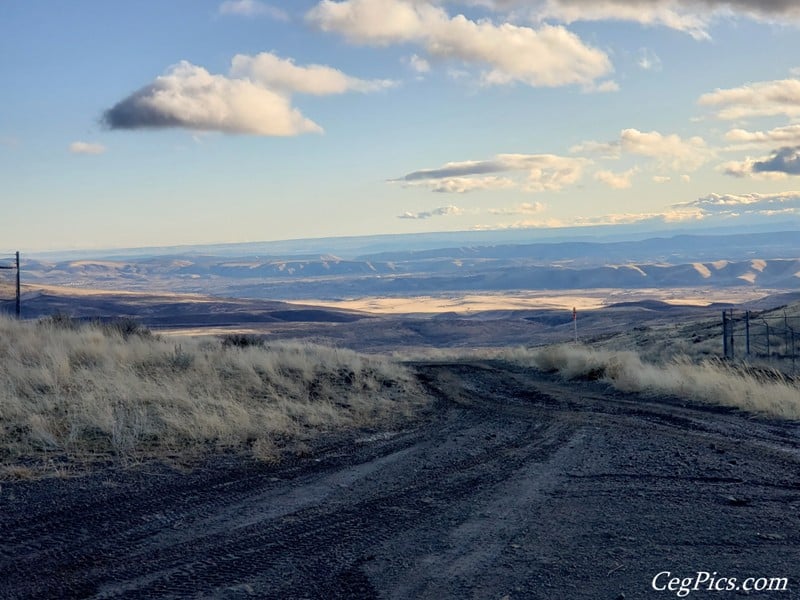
point(713, 381)
point(93, 390)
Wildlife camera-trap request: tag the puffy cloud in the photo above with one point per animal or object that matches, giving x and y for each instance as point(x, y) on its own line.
point(86, 148)
point(765, 98)
point(784, 136)
point(529, 172)
point(444, 211)
point(785, 160)
point(670, 151)
point(782, 162)
point(281, 74)
point(550, 56)
point(617, 181)
point(252, 8)
point(742, 204)
point(744, 168)
point(419, 64)
point(661, 178)
point(255, 99)
point(188, 96)
point(376, 22)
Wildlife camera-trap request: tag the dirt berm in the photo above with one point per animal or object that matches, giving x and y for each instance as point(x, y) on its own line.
point(513, 485)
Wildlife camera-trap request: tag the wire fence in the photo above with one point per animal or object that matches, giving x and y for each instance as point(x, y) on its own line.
point(770, 336)
point(9, 283)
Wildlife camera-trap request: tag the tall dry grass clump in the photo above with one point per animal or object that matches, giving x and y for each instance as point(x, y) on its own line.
point(83, 390)
point(768, 393)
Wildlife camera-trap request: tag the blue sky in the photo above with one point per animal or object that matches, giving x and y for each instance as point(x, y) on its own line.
point(191, 121)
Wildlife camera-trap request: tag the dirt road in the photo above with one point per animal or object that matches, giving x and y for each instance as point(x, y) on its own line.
point(514, 485)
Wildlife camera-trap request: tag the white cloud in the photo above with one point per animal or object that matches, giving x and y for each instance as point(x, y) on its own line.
point(611, 150)
point(604, 87)
point(528, 172)
point(784, 136)
point(647, 60)
point(254, 99)
point(741, 204)
point(693, 17)
point(252, 8)
point(617, 181)
point(662, 178)
point(765, 98)
point(550, 56)
point(670, 151)
point(463, 185)
point(282, 74)
point(188, 96)
point(444, 211)
point(86, 148)
point(665, 13)
point(419, 64)
point(526, 208)
point(746, 168)
point(675, 215)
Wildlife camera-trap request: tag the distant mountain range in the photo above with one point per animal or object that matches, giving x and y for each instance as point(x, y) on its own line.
point(769, 260)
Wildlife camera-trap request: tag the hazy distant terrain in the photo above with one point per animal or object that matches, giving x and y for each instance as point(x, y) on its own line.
point(769, 261)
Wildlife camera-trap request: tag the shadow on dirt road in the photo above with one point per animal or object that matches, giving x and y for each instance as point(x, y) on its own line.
point(514, 485)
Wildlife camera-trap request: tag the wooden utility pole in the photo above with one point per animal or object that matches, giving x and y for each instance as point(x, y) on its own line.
point(17, 308)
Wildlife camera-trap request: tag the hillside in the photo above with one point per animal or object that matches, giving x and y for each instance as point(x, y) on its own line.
point(765, 261)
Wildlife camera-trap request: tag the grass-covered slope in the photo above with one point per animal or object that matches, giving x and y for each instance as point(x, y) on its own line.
point(766, 392)
point(90, 391)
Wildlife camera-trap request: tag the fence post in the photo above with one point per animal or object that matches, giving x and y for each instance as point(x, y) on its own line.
point(747, 333)
point(724, 334)
point(733, 327)
point(766, 325)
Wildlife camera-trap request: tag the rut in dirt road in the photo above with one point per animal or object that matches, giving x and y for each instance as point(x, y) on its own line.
point(514, 484)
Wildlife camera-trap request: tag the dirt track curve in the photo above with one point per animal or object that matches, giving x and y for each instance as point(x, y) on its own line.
point(515, 485)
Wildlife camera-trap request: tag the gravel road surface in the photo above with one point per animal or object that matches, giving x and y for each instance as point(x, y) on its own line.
point(513, 485)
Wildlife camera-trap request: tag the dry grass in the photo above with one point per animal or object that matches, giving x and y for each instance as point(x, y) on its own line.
point(769, 393)
point(96, 392)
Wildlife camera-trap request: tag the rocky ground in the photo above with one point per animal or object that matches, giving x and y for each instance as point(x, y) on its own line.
point(513, 485)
